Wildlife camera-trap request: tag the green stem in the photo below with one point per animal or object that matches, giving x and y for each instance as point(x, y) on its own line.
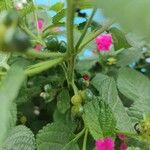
point(70, 25)
point(25, 29)
point(42, 66)
point(85, 139)
point(76, 138)
point(75, 89)
point(43, 55)
point(93, 36)
point(36, 19)
point(86, 28)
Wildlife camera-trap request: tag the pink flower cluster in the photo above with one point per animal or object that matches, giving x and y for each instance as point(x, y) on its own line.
point(40, 24)
point(105, 144)
point(104, 42)
point(122, 138)
point(109, 144)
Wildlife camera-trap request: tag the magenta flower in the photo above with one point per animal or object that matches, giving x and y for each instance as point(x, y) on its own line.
point(122, 136)
point(105, 144)
point(104, 42)
point(40, 24)
point(123, 146)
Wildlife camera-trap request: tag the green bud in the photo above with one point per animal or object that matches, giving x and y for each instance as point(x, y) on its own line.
point(62, 46)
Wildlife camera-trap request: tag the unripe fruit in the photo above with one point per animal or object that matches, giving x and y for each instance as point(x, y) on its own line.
point(23, 120)
point(17, 40)
point(77, 110)
point(76, 100)
point(52, 43)
point(62, 46)
point(86, 95)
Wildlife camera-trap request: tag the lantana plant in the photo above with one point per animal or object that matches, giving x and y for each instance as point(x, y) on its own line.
point(74, 86)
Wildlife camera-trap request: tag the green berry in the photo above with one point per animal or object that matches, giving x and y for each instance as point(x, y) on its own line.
point(76, 100)
point(52, 43)
point(62, 46)
point(87, 95)
point(77, 110)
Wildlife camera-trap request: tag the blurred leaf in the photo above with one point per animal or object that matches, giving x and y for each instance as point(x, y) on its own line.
point(136, 87)
point(129, 56)
point(20, 138)
point(56, 136)
point(133, 84)
point(63, 101)
point(119, 39)
point(127, 14)
point(108, 91)
point(3, 59)
point(57, 7)
point(99, 119)
point(84, 4)
point(8, 92)
point(60, 15)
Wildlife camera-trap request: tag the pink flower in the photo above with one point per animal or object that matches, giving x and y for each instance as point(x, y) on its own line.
point(105, 144)
point(104, 42)
point(123, 146)
point(122, 136)
point(38, 47)
point(40, 24)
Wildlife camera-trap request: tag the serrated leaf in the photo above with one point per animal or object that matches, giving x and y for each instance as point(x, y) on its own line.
point(60, 15)
point(3, 59)
point(136, 87)
point(133, 84)
point(119, 39)
point(56, 136)
point(63, 101)
point(20, 138)
point(57, 7)
point(99, 119)
point(108, 91)
point(8, 93)
point(129, 56)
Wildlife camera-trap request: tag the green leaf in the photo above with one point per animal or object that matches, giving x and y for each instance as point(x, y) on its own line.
point(99, 119)
point(108, 91)
point(57, 7)
point(3, 59)
point(8, 92)
point(136, 87)
point(129, 56)
point(60, 15)
point(119, 39)
point(63, 101)
point(13, 115)
point(127, 14)
point(133, 84)
point(84, 4)
point(20, 138)
point(56, 136)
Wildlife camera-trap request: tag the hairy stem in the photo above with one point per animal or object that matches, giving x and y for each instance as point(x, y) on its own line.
point(85, 139)
point(86, 28)
point(43, 55)
point(70, 25)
